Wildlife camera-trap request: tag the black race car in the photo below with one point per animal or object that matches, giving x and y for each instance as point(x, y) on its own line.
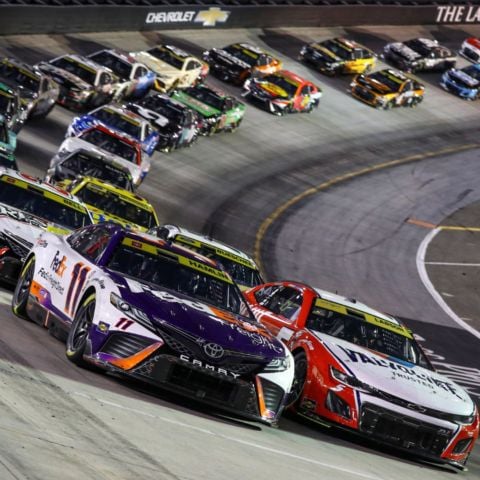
point(11, 108)
point(420, 54)
point(37, 91)
point(176, 123)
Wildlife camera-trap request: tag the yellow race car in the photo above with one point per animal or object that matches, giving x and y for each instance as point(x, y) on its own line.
point(108, 203)
point(387, 88)
point(338, 55)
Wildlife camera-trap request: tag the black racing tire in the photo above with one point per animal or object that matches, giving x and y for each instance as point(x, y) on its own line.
point(235, 126)
point(299, 379)
point(22, 289)
point(389, 105)
point(43, 114)
point(78, 334)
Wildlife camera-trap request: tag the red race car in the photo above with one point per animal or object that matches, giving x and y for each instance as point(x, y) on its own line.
point(282, 92)
point(361, 369)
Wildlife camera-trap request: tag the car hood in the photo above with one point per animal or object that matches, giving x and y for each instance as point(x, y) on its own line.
point(274, 91)
point(229, 59)
point(200, 107)
point(401, 379)
point(464, 79)
point(175, 313)
point(161, 122)
point(326, 54)
point(374, 85)
point(162, 69)
point(404, 51)
point(64, 78)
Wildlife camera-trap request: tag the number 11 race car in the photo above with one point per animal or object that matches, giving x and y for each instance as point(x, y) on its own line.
point(137, 306)
point(362, 370)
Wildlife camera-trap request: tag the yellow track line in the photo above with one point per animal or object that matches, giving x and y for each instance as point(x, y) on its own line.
point(273, 217)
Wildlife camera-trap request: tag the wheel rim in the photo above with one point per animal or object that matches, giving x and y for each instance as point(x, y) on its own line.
point(23, 288)
point(82, 325)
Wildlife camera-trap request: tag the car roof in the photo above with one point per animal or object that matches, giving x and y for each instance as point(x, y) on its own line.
point(291, 76)
point(116, 53)
point(114, 133)
point(32, 70)
point(249, 46)
point(89, 63)
point(123, 111)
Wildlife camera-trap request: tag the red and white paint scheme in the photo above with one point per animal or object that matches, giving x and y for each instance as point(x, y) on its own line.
point(470, 49)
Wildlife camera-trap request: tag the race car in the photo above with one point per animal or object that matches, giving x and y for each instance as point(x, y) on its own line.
point(106, 202)
point(136, 306)
point(88, 163)
point(237, 62)
point(122, 149)
point(8, 144)
point(338, 56)
point(174, 68)
point(11, 108)
point(362, 370)
point(283, 92)
point(465, 82)
point(28, 207)
point(135, 79)
point(470, 49)
point(176, 124)
point(83, 83)
point(387, 88)
point(37, 91)
point(218, 112)
point(419, 55)
point(120, 119)
point(239, 265)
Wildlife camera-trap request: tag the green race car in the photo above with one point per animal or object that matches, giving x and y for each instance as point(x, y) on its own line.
point(217, 111)
point(8, 144)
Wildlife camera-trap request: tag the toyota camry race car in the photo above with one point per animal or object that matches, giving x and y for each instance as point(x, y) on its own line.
point(238, 264)
point(283, 92)
point(218, 111)
point(338, 55)
point(29, 206)
point(8, 144)
point(134, 79)
point(387, 88)
point(38, 92)
point(464, 83)
point(420, 54)
point(174, 68)
point(361, 369)
point(87, 163)
point(137, 306)
point(236, 62)
point(121, 120)
point(83, 83)
point(109, 203)
point(176, 124)
point(470, 49)
point(120, 148)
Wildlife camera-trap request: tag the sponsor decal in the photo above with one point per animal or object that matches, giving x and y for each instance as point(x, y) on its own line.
point(208, 18)
point(59, 265)
point(52, 281)
point(399, 370)
point(213, 350)
point(458, 14)
point(206, 366)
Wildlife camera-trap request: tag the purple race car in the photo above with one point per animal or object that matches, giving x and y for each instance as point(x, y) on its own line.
point(135, 305)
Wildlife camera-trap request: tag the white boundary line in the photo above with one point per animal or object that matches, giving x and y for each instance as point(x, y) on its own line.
point(420, 260)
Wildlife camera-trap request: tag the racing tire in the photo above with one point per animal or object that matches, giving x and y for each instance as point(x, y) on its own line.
point(78, 334)
point(235, 126)
point(389, 105)
point(300, 376)
point(22, 289)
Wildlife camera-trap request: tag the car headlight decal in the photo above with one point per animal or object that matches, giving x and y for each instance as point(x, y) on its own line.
point(277, 365)
point(131, 311)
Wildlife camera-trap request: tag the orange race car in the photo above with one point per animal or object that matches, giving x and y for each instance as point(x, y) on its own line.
point(235, 63)
point(283, 92)
point(361, 369)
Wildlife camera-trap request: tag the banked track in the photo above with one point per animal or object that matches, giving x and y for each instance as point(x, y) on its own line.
point(61, 422)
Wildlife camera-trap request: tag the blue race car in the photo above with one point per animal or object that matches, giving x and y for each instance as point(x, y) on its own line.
point(464, 83)
point(121, 120)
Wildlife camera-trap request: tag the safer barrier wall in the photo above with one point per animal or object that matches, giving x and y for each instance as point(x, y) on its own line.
point(62, 19)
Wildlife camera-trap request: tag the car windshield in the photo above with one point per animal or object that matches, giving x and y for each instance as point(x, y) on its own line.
point(243, 54)
point(167, 56)
point(78, 69)
point(206, 96)
point(289, 86)
point(353, 329)
point(164, 269)
point(89, 166)
point(110, 144)
point(472, 71)
point(116, 205)
point(418, 46)
point(393, 83)
point(118, 121)
point(19, 76)
point(42, 203)
point(120, 67)
point(338, 49)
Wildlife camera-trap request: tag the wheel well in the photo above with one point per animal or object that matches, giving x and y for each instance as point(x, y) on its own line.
point(298, 350)
point(88, 292)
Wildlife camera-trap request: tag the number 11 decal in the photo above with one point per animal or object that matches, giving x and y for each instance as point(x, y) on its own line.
point(79, 274)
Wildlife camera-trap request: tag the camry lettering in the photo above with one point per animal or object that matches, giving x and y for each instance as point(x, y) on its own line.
point(206, 366)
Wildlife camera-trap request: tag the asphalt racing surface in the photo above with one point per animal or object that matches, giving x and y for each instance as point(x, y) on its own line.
point(347, 198)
